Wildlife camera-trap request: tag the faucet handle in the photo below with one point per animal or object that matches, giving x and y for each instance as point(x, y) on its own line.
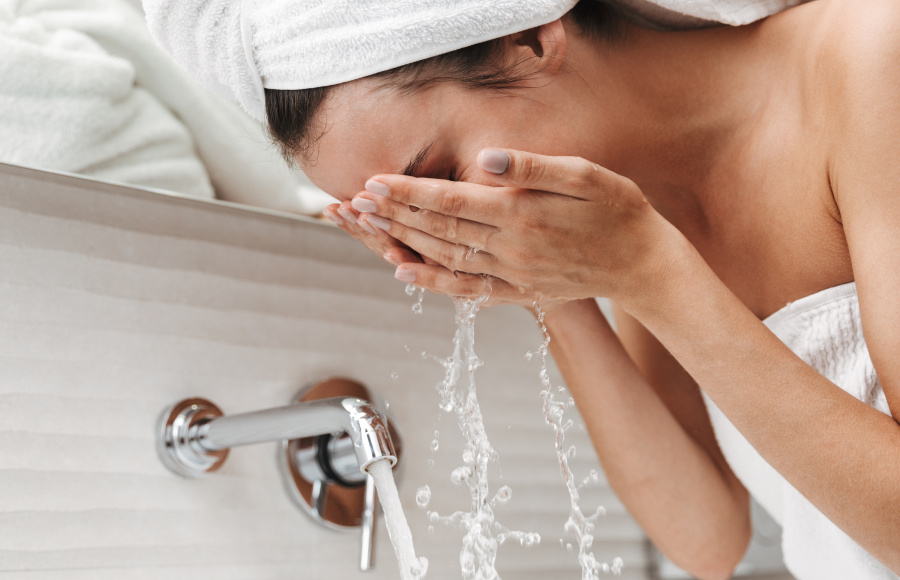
point(369, 522)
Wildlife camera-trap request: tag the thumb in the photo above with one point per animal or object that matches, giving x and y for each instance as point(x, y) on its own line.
point(571, 176)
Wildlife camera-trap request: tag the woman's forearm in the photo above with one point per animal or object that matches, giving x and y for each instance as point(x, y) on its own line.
point(667, 480)
point(843, 455)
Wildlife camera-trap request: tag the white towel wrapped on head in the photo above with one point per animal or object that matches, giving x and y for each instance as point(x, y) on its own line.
point(241, 47)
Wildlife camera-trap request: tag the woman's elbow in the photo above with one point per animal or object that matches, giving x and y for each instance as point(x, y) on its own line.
point(717, 560)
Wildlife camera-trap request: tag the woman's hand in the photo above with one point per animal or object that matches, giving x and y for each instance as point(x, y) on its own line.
point(375, 239)
point(553, 229)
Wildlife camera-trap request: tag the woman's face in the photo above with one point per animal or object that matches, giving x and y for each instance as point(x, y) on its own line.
point(432, 132)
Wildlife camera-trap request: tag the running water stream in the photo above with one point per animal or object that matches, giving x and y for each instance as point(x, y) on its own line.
point(411, 568)
point(483, 534)
point(554, 413)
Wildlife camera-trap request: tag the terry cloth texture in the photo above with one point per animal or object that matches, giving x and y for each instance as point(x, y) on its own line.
point(825, 330)
point(241, 46)
point(86, 90)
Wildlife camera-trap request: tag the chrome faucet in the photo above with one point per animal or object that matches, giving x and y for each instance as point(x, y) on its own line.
point(326, 442)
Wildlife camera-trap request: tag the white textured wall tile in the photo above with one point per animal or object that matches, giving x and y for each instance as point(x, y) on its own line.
point(116, 303)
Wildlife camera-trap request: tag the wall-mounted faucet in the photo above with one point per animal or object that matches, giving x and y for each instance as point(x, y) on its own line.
point(330, 436)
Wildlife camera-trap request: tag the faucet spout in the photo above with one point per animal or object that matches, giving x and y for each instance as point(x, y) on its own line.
point(195, 435)
point(360, 419)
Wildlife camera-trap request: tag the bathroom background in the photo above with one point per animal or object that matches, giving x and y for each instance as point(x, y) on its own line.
point(203, 277)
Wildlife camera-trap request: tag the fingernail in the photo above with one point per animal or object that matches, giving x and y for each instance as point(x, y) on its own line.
point(390, 260)
point(494, 161)
point(380, 222)
point(405, 275)
point(347, 214)
point(378, 188)
point(366, 205)
point(366, 227)
point(332, 216)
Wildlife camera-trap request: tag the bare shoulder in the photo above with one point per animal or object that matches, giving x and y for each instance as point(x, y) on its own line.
point(857, 49)
point(857, 65)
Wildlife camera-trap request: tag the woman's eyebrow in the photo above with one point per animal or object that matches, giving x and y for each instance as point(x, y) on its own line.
point(416, 162)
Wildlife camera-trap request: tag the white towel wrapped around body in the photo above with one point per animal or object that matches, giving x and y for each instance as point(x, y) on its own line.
point(825, 330)
point(86, 90)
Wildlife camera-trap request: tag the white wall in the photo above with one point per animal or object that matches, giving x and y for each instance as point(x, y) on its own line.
point(115, 303)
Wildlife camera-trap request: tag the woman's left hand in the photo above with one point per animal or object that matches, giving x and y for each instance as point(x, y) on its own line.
point(553, 229)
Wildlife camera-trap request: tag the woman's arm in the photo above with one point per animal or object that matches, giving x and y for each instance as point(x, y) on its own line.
point(649, 426)
point(843, 455)
point(596, 235)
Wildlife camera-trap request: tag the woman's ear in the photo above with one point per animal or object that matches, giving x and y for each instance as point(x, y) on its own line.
point(546, 44)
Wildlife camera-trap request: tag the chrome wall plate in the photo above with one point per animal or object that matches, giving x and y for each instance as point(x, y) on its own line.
point(320, 473)
point(176, 439)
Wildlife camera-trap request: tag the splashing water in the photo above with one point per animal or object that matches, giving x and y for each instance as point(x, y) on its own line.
point(423, 496)
point(483, 535)
point(578, 523)
point(417, 305)
point(411, 568)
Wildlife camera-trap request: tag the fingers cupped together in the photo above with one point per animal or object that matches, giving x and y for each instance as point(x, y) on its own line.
point(468, 201)
point(383, 212)
point(377, 240)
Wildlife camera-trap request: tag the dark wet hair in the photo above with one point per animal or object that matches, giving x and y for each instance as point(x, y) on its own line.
point(292, 114)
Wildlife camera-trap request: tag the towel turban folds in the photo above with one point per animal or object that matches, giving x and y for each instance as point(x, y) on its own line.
point(239, 47)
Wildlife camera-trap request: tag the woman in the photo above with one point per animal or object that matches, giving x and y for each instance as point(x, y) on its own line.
point(701, 180)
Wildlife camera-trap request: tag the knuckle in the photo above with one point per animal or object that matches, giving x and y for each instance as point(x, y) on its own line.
point(584, 176)
point(443, 227)
point(530, 168)
point(451, 229)
point(446, 256)
point(399, 232)
point(394, 212)
point(451, 204)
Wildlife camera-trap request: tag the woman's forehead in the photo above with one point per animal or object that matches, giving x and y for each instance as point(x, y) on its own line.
point(368, 132)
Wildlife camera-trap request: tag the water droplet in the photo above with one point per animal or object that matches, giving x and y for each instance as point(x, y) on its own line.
point(468, 457)
point(423, 496)
point(434, 445)
point(419, 568)
point(431, 463)
point(406, 347)
point(502, 496)
point(569, 548)
point(528, 355)
point(460, 474)
point(395, 375)
point(410, 289)
point(430, 529)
